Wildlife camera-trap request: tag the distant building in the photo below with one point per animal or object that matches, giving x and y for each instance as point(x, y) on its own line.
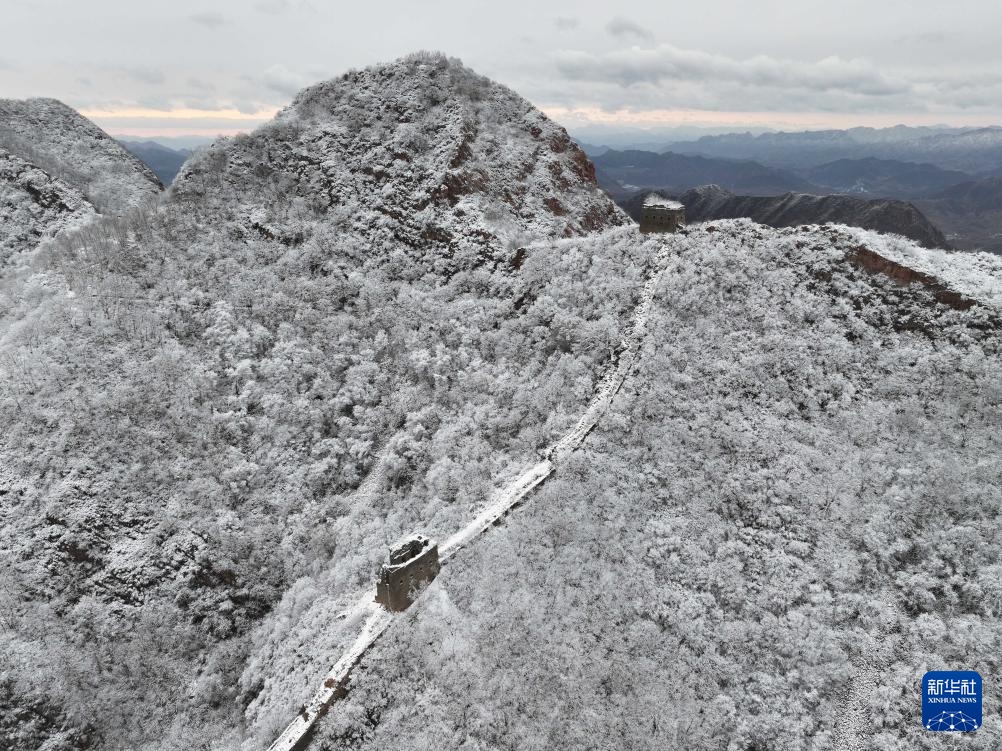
point(662, 215)
point(413, 564)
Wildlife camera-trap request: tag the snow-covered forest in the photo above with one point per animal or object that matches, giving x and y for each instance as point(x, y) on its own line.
point(220, 408)
point(801, 478)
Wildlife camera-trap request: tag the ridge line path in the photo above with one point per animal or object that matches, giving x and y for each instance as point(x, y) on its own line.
point(377, 619)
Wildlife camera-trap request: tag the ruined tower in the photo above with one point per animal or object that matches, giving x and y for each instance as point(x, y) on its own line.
point(413, 564)
point(662, 214)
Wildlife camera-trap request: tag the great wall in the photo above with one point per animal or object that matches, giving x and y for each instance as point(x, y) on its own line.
point(376, 619)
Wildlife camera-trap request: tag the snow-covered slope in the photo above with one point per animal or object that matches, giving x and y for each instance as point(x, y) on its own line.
point(362, 319)
point(421, 152)
point(34, 206)
point(70, 147)
point(711, 202)
point(798, 479)
point(332, 332)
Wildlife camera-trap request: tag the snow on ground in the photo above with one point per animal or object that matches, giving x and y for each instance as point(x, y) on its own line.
point(69, 146)
point(502, 501)
point(35, 206)
point(976, 275)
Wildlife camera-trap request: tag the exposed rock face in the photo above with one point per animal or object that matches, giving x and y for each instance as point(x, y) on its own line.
point(67, 145)
point(711, 202)
point(34, 205)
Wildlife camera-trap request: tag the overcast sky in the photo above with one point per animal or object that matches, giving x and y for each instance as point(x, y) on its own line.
point(162, 68)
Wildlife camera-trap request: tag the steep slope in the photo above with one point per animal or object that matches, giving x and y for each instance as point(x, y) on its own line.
point(70, 147)
point(336, 330)
point(430, 155)
point(710, 202)
point(678, 172)
point(359, 320)
point(34, 206)
point(798, 475)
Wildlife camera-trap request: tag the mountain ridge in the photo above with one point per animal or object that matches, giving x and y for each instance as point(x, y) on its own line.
point(60, 140)
point(711, 202)
point(671, 171)
point(968, 150)
point(354, 323)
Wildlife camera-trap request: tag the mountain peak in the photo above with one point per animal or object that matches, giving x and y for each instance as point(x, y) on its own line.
point(431, 152)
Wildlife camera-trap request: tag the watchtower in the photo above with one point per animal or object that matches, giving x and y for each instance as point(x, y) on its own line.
point(413, 564)
point(662, 214)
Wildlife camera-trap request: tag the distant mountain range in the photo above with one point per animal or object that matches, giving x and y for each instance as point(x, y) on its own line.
point(969, 150)
point(627, 171)
point(711, 202)
point(163, 160)
point(883, 177)
point(965, 205)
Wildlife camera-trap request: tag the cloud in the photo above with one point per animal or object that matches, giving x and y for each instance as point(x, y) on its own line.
point(149, 76)
point(624, 28)
point(670, 64)
point(284, 81)
point(276, 7)
point(209, 19)
point(925, 37)
point(566, 23)
point(199, 85)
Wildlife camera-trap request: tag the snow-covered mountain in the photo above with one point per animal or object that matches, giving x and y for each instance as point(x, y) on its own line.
point(70, 147)
point(59, 170)
point(778, 526)
point(333, 331)
point(419, 152)
point(34, 206)
point(711, 202)
point(359, 321)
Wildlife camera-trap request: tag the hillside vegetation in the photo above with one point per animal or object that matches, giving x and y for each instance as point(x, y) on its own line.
point(193, 395)
point(800, 477)
point(354, 323)
point(34, 206)
point(68, 146)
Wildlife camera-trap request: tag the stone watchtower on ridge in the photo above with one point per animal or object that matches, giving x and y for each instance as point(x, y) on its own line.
point(413, 564)
point(662, 214)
